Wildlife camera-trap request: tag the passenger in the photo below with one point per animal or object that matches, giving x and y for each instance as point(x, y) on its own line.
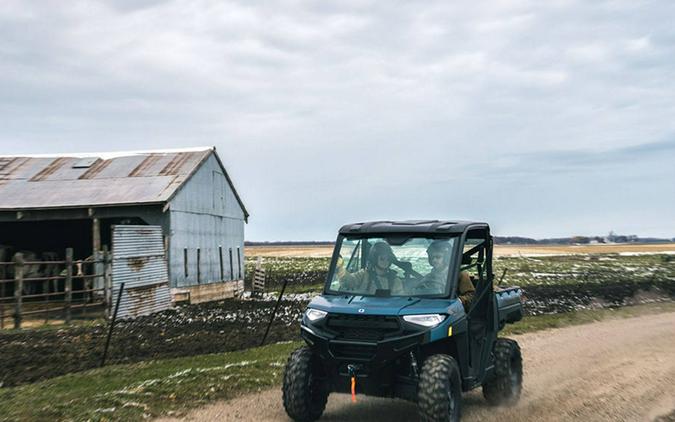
point(438, 254)
point(376, 276)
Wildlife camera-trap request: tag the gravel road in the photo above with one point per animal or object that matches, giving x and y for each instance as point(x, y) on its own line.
point(615, 370)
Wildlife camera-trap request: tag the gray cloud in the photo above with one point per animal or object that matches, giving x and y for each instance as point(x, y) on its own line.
point(333, 111)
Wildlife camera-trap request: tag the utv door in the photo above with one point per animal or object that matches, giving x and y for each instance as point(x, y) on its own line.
point(477, 261)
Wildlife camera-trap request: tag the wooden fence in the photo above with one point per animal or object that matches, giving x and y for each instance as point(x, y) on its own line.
point(44, 290)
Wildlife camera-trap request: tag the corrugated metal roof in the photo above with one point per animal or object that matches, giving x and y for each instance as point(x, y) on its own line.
point(61, 181)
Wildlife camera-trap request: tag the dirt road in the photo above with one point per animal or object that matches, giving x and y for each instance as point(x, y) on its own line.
point(616, 370)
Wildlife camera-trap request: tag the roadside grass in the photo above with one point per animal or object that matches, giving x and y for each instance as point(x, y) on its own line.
point(148, 389)
point(173, 386)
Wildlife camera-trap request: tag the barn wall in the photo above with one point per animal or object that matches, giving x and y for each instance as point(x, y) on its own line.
point(205, 214)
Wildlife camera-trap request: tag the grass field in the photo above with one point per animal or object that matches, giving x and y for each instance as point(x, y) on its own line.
point(306, 268)
point(172, 386)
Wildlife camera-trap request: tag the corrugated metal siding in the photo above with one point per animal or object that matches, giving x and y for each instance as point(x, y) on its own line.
point(203, 193)
point(139, 262)
point(205, 232)
point(205, 214)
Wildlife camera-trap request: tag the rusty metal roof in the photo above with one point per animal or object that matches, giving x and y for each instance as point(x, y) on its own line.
point(89, 180)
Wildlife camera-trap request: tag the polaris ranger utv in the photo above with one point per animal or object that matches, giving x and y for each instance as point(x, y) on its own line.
point(390, 323)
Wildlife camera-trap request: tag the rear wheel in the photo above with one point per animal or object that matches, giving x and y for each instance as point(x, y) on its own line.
point(506, 386)
point(440, 390)
point(304, 395)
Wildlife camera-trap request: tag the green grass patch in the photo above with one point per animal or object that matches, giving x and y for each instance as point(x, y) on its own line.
point(172, 386)
point(143, 390)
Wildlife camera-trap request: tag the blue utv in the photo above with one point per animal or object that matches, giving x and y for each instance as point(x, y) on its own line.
point(409, 310)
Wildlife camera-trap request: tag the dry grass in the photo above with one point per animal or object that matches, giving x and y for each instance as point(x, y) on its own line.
point(500, 250)
point(290, 251)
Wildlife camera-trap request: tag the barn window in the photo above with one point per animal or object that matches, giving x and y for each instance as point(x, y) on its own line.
point(222, 269)
point(199, 272)
point(239, 260)
point(185, 262)
point(231, 266)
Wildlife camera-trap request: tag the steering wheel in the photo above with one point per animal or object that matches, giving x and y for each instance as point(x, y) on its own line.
point(430, 285)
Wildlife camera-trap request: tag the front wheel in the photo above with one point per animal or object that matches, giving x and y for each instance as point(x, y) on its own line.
point(506, 386)
point(440, 390)
point(304, 395)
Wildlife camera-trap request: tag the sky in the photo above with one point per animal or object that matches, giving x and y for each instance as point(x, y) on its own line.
point(545, 119)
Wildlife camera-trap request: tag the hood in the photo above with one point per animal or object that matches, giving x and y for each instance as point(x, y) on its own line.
point(369, 305)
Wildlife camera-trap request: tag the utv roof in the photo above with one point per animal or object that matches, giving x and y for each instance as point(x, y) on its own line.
point(411, 226)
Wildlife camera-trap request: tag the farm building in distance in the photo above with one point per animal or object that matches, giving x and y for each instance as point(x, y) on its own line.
point(50, 203)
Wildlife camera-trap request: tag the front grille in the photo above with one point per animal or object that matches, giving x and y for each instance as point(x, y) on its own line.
point(353, 351)
point(363, 327)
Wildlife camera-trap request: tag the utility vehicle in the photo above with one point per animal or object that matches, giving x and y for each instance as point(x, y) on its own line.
point(390, 322)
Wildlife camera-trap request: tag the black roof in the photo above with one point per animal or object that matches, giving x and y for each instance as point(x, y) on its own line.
point(410, 226)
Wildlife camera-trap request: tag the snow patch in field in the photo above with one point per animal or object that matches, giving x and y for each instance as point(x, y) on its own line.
point(646, 253)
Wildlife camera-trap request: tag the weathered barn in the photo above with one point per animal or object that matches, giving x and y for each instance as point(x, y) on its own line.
point(50, 203)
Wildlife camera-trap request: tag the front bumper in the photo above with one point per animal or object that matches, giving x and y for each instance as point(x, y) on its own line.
point(368, 354)
point(381, 366)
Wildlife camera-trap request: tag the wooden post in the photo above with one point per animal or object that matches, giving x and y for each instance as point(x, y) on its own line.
point(69, 283)
point(18, 288)
point(3, 293)
point(96, 235)
point(107, 282)
point(2, 308)
point(45, 290)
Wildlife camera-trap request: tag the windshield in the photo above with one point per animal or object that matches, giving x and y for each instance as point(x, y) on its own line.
point(392, 266)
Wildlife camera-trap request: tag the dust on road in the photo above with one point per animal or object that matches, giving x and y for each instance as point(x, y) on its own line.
point(618, 370)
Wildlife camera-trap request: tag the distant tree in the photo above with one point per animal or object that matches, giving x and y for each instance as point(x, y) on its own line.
point(580, 239)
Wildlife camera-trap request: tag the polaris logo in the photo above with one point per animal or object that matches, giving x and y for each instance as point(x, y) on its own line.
point(362, 310)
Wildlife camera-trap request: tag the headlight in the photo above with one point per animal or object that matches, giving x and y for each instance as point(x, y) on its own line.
point(428, 320)
point(315, 314)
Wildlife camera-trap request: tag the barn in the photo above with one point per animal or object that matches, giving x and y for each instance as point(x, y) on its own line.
point(88, 202)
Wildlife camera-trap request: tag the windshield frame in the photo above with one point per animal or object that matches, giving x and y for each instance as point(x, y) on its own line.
point(451, 282)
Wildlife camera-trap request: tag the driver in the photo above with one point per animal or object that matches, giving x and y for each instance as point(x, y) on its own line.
point(376, 275)
point(438, 254)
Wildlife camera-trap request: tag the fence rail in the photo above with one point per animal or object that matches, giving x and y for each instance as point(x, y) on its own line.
point(33, 288)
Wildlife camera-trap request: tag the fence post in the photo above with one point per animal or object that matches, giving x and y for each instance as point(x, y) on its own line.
point(112, 324)
point(274, 312)
point(3, 292)
point(69, 283)
point(18, 288)
point(107, 282)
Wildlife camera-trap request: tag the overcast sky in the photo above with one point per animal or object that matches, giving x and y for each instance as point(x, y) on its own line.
point(544, 118)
